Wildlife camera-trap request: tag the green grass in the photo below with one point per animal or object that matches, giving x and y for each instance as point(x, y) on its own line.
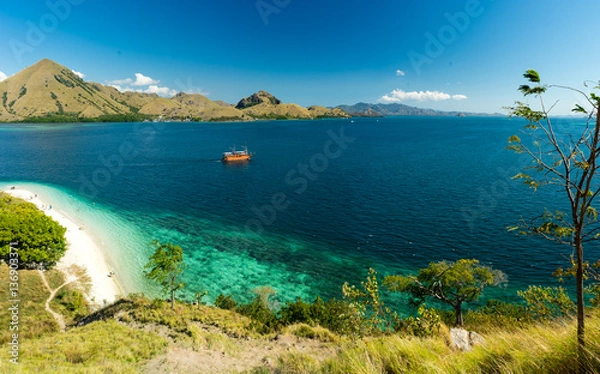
point(141, 329)
point(34, 321)
point(101, 347)
point(144, 310)
point(544, 348)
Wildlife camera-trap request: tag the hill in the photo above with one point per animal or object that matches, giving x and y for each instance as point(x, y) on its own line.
point(394, 109)
point(263, 105)
point(50, 92)
point(49, 88)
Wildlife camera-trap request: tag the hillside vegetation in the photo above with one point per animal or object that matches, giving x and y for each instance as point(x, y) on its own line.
point(140, 335)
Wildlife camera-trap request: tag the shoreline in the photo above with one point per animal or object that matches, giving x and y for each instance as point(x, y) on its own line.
point(81, 251)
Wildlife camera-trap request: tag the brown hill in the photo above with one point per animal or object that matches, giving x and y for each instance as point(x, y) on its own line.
point(48, 90)
point(263, 105)
point(195, 107)
point(322, 112)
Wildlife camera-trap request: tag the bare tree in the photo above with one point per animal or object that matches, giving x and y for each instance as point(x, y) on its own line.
point(569, 161)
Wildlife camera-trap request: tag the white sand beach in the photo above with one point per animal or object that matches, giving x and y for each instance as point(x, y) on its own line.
point(81, 251)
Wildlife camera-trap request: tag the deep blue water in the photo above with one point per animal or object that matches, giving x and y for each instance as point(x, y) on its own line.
point(310, 211)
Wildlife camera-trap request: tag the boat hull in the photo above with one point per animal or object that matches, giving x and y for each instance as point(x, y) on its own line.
point(236, 158)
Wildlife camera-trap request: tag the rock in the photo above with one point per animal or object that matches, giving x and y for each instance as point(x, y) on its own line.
point(464, 340)
point(460, 339)
point(257, 98)
point(475, 339)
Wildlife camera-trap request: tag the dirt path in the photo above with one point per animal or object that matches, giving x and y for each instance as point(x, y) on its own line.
point(58, 317)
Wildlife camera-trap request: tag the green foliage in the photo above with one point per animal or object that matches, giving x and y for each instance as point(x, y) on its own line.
point(59, 107)
point(4, 98)
point(64, 81)
point(336, 315)
point(547, 302)
point(264, 319)
point(532, 76)
point(591, 275)
point(225, 302)
point(41, 241)
point(23, 91)
point(450, 282)
point(71, 303)
point(69, 117)
point(165, 267)
point(53, 96)
point(371, 313)
point(426, 323)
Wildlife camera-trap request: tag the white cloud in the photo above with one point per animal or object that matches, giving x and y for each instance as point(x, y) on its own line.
point(2, 76)
point(79, 74)
point(398, 96)
point(142, 80)
point(148, 85)
point(161, 91)
point(119, 82)
point(400, 73)
point(152, 89)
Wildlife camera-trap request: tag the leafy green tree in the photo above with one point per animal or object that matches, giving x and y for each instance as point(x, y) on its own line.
point(547, 302)
point(40, 240)
point(165, 267)
point(568, 161)
point(453, 283)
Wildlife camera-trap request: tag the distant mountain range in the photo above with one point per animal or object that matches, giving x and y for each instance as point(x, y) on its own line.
point(50, 92)
point(394, 109)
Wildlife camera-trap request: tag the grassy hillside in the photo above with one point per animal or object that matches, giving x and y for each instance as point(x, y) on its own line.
point(48, 88)
point(193, 107)
point(139, 335)
point(263, 105)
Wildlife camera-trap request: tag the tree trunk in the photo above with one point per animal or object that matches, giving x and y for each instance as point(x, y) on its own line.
point(172, 295)
point(459, 315)
point(581, 357)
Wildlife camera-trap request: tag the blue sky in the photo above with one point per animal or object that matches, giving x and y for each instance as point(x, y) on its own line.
point(452, 55)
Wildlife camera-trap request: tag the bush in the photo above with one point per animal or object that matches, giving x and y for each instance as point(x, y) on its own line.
point(297, 312)
point(225, 302)
point(427, 323)
point(258, 311)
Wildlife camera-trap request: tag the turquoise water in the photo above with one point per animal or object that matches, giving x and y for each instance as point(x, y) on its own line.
point(321, 202)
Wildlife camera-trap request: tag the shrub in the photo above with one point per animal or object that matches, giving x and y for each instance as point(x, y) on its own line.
point(225, 302)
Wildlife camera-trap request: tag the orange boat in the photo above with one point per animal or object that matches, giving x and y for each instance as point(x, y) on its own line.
point(237, 156)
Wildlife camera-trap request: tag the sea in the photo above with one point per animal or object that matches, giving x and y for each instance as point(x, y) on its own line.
point(320, 203)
